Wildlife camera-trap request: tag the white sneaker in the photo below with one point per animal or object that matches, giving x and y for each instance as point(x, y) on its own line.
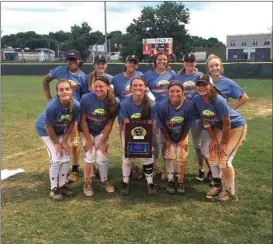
point(87, 190)
point(107, 186)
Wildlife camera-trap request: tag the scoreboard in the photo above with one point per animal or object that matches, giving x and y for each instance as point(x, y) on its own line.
point(151, 47)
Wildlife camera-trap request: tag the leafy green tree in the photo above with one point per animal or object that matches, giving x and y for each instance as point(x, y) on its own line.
point(165, 20)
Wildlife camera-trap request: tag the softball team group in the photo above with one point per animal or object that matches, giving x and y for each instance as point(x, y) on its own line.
point(86, 106)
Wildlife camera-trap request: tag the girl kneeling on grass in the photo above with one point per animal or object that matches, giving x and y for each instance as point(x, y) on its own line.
point(135, 109)
point(227, 130)
point(175, 116)
point(98, 113)
point(54, 126)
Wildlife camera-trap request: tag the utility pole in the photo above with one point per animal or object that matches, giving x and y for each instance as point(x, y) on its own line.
point(105, 25)
point(271, 44)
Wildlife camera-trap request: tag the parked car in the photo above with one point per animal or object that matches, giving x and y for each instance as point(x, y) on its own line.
point(114, 56)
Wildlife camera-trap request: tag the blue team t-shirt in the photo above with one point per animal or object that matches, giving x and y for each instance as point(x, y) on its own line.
point(76, 79)
point(122, 84)
point(188, 82)
point(212, 113)
point(57, 116)
point(85, 87)
point(128, 109)
point(158, 83)
point(175, 120)
point(96, 116)
point(228, 87)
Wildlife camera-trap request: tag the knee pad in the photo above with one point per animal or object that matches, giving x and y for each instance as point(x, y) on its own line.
point(55, 163)
point(66, 159)
point(89, 157)
point(101, 158)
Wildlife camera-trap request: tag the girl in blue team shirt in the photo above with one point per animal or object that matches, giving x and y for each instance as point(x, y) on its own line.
point(121, 84)
point(227, 130)
point(227, 87)
point(76, 77)
point(137, 108)
point(175, 116)
point(158, 81)
point(54, 126)
point(187, 76)
point(100, 66)
point(99, 110)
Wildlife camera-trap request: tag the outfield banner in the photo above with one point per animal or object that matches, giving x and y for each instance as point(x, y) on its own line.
point(232, 70)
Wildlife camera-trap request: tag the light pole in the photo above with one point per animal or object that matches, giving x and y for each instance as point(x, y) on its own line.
point(271, 43)
point(105, 25)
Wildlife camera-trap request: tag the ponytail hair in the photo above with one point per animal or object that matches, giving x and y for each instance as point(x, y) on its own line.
point(146, 107)
point(213, 56)
point(91, 80)
point(214, 92)
point(110, 104)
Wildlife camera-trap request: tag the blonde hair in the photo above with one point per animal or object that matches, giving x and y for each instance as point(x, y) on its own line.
point(91, 80)
point(213, 56)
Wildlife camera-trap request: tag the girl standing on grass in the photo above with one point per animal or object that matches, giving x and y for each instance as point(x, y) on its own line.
point(98, 113)
point(229, 89)
point(100, 66)
point(158, 81)
point(121, 83)
point(187, 76)
point(54, 126)
point(137, 108)
point(227, 130)
point(75, 76)
point(175, 116)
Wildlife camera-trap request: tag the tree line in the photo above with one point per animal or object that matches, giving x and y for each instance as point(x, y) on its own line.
point(154, 22)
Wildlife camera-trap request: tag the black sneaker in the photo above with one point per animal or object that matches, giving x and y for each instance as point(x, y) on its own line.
point(180, 188)
point(124, 188)
point(66, 191)
point(56, 194)
point(201, 175)
point(171, 187)
point(151, 189)
point(209, 179)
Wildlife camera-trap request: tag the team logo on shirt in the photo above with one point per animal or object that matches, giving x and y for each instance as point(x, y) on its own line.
point(135, 116)
point(127, 90)
point(175, 121)
point(74, 85)
point(99, 113)
point(64, 120)
point(210, 116)
point(189, 89)
point(162, 87)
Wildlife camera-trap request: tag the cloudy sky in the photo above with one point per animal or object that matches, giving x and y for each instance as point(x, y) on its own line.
point(207, 19)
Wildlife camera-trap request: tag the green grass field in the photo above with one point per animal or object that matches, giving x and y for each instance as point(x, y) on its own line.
point(30, 216)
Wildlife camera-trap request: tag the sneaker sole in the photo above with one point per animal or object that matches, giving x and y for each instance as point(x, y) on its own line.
point(199, 179)
point(88, 195)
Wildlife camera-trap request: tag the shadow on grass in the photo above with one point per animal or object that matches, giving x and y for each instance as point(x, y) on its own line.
point(31, 186)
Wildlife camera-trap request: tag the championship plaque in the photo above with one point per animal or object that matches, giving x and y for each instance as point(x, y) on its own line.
point(138, 140)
